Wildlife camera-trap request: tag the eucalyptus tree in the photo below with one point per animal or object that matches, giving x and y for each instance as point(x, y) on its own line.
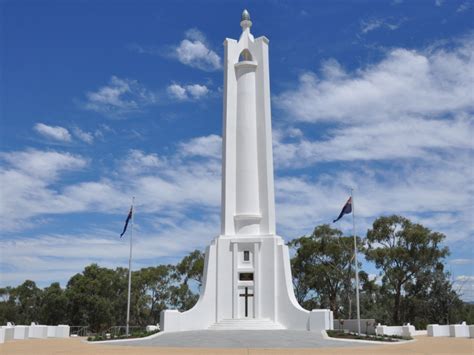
point(322, 269)
point(407, 255)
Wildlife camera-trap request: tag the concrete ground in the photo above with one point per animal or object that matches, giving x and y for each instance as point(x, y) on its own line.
point(284, 339)
point(76, 346)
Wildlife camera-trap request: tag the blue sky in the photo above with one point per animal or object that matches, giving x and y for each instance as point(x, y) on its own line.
point(103, 100)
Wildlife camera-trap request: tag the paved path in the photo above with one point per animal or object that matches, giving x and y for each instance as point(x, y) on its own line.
point(281, 339)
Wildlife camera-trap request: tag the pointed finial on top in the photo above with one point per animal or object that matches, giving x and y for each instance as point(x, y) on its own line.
point(245, 15)
point(245, 20)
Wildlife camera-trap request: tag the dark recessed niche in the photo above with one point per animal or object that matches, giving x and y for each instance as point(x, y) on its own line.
point(246, 276)
point(246, 255)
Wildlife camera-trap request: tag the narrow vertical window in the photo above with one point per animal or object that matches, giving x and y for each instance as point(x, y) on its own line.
point(246, 255)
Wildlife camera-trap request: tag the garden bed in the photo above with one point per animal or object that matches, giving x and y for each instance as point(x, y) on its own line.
point(340, 334)
point(134, 335)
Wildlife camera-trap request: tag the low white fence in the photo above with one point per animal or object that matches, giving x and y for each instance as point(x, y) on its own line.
point(21, 332)
point(367, 326)
point(6, 333)
point(404, 330)
point(454, 330)
point(33, 331)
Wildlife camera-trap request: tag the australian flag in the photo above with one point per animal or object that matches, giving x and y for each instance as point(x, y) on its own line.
point(345, 210)
point(129, 217)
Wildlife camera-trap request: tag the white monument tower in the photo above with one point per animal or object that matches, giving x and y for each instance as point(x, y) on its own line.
point(247, 280)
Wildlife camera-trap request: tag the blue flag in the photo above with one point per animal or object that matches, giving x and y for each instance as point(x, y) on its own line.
point(345, 210)
point(126, 221)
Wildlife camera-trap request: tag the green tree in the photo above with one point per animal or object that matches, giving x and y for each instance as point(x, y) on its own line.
point(27, 296)
point(53, 309)
point(322, 269)
point(182, 298)
point(158, 281)
point(404, 252)
point(372, 300)
point(191, 267)
point(97, 297)
point(8, 307)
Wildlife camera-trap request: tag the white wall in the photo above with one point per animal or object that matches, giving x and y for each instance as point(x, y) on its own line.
point(436, 330)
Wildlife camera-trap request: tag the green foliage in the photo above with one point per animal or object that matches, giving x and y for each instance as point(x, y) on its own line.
point(53, 305)
point(151, 292)
point(413, 285)
point(27, 298)
point(410, 258)
point(322, 269)
point(191, 267)
point(97, 297)
point(8, 308)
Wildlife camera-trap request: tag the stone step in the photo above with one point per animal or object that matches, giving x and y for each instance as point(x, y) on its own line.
point(250, 324)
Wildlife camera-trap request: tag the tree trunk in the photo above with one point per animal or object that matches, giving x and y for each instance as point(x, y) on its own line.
point(333, 305)
point(396, 308)
point(350, 307)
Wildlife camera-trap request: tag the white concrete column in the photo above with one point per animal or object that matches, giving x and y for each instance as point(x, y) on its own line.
point(256, 279)
point(235, 277)
point(247, 181)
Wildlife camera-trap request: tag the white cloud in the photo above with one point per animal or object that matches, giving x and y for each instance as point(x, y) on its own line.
point(207, 146)
point(461, 261)
point(197, 91)
point(463, 278)
point(367, 26)
point(410, 105)
point(439, 2)
point(84, 136)
point(27, 177)
point(43, 164)
point(466, 5)
point(186, 92)
point(400, 138)
point(103, 246)
point(436, 194)
point(403, 130)
point(404, 83)
point(194, 51)
point(53, 132)
point(165, 184)
point(137, 162)
point(177, 91)
point(171, 187)
point(120, 97)
point(167, 190)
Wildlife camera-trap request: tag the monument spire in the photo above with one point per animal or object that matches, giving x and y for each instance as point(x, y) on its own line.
point(245, 22)
point(247, 274)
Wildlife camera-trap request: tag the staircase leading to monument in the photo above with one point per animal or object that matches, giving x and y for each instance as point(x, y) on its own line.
point(246, 324)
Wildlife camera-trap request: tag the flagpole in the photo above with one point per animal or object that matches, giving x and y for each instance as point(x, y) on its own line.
point(130, 269)
point(355, 261)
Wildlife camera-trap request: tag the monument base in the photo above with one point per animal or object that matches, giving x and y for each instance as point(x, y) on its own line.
point(247, 284)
